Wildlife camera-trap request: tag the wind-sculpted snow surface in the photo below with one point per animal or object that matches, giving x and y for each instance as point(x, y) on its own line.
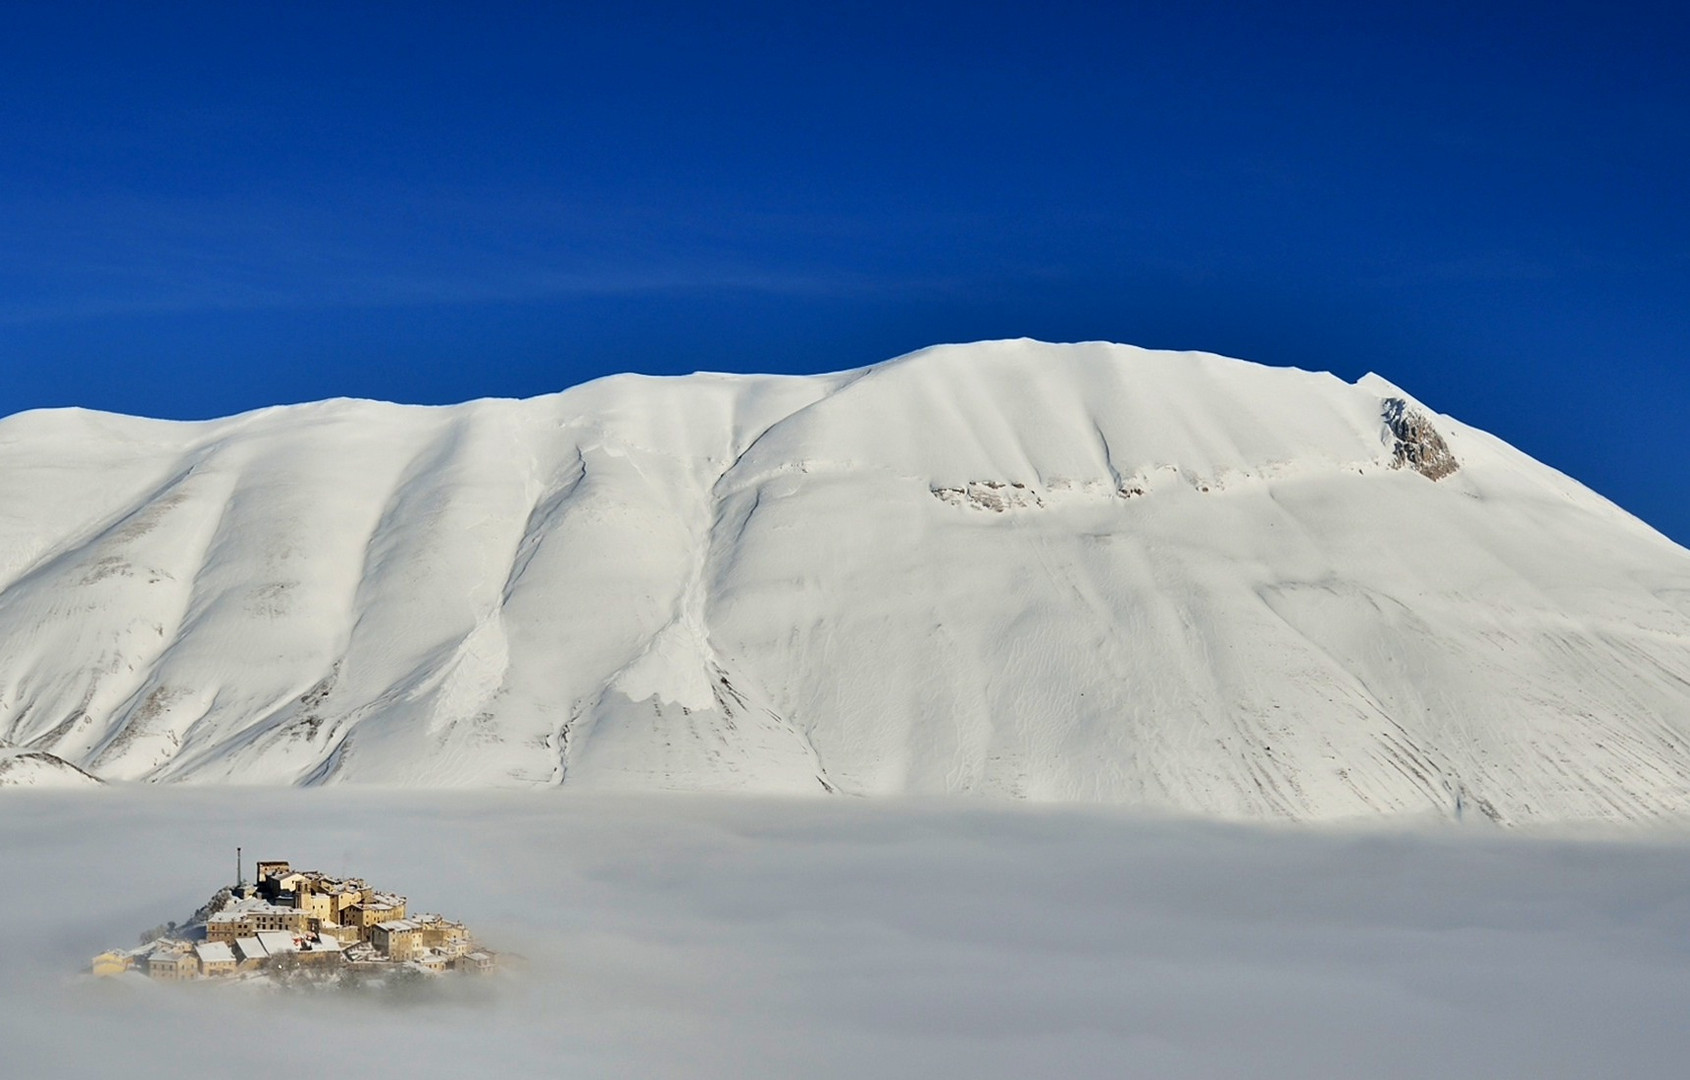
point(1050, 572)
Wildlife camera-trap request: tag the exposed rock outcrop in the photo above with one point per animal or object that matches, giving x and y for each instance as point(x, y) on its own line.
point(1418, 444)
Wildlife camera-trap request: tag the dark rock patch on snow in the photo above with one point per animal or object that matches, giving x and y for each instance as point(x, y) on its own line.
point(994, 495)
point(1418, 444)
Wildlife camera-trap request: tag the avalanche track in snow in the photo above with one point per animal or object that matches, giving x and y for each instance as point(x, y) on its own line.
point(1051, 572)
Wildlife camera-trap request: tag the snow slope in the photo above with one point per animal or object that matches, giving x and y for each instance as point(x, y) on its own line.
point(1045, 571)
point(38, 769)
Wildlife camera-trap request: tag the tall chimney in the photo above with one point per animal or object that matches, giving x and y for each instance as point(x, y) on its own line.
point(240, 869)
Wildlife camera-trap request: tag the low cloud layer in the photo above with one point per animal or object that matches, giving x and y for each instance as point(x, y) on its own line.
point(707, 937)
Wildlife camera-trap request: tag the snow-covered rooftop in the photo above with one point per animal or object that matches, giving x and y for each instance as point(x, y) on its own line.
point(213, 952)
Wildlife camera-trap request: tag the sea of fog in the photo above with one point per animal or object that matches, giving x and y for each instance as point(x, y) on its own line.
point(692, 936)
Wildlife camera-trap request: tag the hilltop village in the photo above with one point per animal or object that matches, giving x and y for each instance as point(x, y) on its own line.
point(300, 925)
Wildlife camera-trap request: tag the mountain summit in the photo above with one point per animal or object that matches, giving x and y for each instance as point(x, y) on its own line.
point(1053, 572)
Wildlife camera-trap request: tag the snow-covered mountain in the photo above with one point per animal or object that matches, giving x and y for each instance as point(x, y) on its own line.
point(1047, 571)
point(21, 767)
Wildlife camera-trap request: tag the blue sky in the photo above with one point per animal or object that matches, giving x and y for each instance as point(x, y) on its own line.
point(205, 210)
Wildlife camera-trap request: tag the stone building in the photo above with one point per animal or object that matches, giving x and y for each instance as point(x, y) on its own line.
point(376, 908)
point(113, 962)
point(439, 932)
point(327, 898)
point(215, 958)
point(397, 939)
point(346, 935)
point(172, 963)
point(250, 953)
point(245, 918)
